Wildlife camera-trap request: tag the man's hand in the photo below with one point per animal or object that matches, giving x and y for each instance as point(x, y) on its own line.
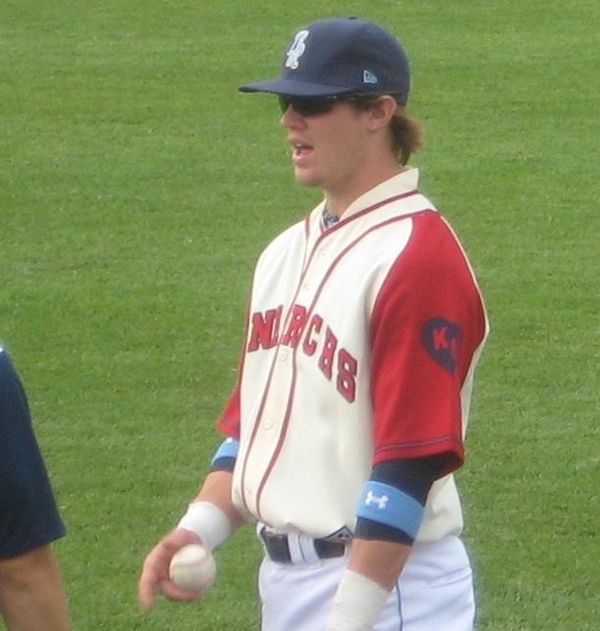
point(155, 571)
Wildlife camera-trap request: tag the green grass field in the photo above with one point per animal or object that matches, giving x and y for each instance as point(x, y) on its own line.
point(137, 187)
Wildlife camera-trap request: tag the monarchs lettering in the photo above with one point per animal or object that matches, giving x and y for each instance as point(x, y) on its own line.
point(310, 334)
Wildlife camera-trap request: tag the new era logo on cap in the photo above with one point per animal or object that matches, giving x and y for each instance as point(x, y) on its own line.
point(369, 77)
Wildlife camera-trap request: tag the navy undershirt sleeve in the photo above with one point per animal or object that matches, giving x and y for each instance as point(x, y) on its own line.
point(223, 464)
point(29, 516)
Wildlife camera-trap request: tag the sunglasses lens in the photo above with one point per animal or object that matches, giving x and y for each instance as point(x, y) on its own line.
point(306, 106)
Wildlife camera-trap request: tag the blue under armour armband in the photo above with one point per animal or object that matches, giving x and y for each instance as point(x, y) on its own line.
point(385, 504)
point(226, 454)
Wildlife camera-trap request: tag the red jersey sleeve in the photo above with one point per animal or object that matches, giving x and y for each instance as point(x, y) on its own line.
point(229, 423)
point(428, 320)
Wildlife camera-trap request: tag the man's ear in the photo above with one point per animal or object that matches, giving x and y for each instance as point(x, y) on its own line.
point(382, 111)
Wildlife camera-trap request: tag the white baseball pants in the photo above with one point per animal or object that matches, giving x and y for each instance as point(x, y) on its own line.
point(434, 592)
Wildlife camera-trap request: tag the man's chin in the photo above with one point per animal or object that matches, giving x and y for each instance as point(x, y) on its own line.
point(306, 179)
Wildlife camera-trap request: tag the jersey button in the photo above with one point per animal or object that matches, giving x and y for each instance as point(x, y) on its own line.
point(268, 423)
point(284, 354)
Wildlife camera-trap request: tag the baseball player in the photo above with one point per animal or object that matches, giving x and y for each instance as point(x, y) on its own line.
point(350, 410)
point(31, 589)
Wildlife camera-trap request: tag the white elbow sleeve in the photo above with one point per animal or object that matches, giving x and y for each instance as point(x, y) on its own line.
point(208, 521)
point(357, 604)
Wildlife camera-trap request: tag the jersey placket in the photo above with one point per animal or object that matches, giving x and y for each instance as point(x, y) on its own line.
point(271, 424)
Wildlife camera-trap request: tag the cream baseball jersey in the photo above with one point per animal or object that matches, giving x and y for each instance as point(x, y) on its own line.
point(361, 345)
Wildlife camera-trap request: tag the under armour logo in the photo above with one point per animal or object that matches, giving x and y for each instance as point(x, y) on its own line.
point(379, 500)
point(296, 50)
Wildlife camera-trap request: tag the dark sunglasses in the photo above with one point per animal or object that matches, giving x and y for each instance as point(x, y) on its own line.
point(316, 105)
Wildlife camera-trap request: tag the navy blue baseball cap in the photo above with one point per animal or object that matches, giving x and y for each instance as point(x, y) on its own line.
point(338, 56)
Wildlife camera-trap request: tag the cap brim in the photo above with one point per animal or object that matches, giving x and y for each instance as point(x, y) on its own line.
point(293, 87)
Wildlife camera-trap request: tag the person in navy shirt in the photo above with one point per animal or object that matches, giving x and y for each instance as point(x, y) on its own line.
point(32, 595)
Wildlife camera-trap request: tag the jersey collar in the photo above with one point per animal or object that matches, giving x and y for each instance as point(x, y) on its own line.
point(404, 182)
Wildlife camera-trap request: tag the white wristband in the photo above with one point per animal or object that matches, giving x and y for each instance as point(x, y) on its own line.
point(357, 604)
point(208, 521)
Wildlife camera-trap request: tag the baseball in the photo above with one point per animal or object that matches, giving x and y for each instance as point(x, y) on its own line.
point(193, 568)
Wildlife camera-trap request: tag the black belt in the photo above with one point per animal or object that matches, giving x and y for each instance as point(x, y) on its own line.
point(278, 547)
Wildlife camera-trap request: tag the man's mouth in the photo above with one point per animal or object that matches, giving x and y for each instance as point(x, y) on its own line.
point(301, 149)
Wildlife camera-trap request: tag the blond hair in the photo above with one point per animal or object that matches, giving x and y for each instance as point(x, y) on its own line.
point(407, 135)
point(406, 132)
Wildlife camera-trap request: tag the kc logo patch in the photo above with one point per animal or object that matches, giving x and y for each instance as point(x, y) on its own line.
point(440, 337)
point(296, 50)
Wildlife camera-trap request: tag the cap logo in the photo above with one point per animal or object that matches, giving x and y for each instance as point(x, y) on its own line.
point(296, 50)
point(369, 77)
